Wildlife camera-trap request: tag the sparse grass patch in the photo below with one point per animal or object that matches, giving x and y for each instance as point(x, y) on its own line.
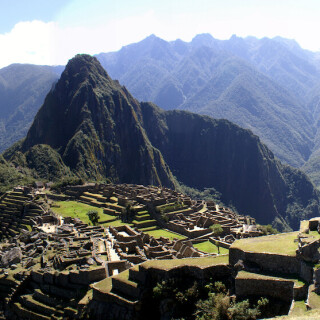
point(200, 262)
point(299, 308)
point(314, 300)
point(209, 247)
point(250, 275)
point(282, 243)
point(164, 233)
point(116, 223)
point(314, 234)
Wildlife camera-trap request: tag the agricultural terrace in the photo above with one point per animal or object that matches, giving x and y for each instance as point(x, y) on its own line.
point(79, 210)
point(283, 243)
point(209, 247)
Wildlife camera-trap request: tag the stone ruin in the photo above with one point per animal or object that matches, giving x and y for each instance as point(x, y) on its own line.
point(48, 263)
point(191, 218)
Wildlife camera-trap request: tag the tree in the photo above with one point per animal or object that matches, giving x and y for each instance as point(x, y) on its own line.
point(93, 216)
point(216, 229)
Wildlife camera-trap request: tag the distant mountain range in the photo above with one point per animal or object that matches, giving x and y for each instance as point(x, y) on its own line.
point(270, 86)
point(23, 88)
point(263, 85)
point(91, 127)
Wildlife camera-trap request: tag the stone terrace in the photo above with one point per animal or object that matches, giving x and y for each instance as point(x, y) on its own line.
point(158, 206)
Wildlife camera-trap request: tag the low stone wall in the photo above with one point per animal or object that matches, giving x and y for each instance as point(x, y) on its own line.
point(182, 230)
point(120, 265)
point(59, 197)
point(276, 288)
point(191, 273)
point(273, 263)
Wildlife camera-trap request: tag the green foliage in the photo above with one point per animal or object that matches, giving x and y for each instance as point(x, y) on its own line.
point(128, 213)
point(68, 181)
point(93, 216)
point(169, 208)
point(47, 163)
point(207, 194)
point(164, 217)
point(11, 176)
point(181, 294)
point(219, 306)
point(267, 229)
point(216, 230)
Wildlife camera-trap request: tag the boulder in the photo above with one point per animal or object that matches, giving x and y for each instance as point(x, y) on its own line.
point(13, 256)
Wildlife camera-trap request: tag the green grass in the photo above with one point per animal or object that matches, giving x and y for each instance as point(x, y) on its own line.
point(164, 233)
point(250, 275)
point(314, 300)
point(299, 308)
point(209, 247)
point(282, 243)
point(78, 210)
point(314, 234)
point(116, 223)
point(196, 262)
point(104, 285)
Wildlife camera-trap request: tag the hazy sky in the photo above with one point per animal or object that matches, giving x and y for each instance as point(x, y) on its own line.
point(53, 31)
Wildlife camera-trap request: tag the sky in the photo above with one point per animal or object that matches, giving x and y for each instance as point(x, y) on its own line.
point(53, 31)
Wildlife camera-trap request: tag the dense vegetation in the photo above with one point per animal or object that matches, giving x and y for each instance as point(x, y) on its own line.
point(182, 300)
point(92, 128)
point(11, 176)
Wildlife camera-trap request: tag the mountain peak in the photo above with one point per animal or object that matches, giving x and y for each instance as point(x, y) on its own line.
point(84, 64)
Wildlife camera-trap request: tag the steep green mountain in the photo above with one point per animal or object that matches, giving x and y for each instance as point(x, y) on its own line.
point(259, 84)
point(92, 122)
point(22, 91)
point(93, 126)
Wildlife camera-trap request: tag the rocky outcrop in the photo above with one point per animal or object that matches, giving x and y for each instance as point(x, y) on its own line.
point(11, 256)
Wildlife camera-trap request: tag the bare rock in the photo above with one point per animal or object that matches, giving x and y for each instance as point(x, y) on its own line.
point(12, 256)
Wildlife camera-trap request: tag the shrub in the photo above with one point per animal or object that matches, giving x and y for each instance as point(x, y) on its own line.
point(267, 229)
point(93, 216)
point(216, 230)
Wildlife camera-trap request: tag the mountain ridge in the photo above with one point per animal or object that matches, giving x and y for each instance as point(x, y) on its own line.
point(109, 134)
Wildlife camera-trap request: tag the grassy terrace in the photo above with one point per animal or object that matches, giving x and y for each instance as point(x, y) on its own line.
point(209, 247)
point(315, 234)
point(249, 275)
point(196, 262)
point(164, 233)
point(299, 308)
point(79, 210)
point(282, 243)
point(106, 284)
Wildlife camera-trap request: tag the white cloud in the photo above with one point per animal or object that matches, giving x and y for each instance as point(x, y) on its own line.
point(54, 43)
point(38, 42)
point(28, 42)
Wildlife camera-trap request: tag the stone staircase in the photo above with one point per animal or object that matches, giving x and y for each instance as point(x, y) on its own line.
point(93, 199)
point(120, 293)
point(144, 222)
point(13, 216)
point(48, 298)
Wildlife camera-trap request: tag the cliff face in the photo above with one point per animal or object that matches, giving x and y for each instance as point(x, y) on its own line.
point(99, 130)
point(204, 152)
